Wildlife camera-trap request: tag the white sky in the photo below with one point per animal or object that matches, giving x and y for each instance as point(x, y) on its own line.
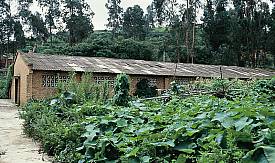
point(101, 13)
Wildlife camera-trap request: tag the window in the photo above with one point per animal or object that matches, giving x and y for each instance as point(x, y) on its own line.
point(52, 80)
point(182, 81)
point(102, 79)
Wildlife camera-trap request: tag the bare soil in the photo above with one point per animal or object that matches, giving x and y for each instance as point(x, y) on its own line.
point(15, 147)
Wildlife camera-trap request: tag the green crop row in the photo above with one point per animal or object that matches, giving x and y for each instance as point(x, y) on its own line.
point(200, 128)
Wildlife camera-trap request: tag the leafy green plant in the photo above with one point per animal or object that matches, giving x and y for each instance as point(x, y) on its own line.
point(145, 89)
point(201, 128)
point(5, 83)
point(122, 88)
point(85, 89)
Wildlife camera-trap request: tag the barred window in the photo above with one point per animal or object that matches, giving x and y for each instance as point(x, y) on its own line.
point(52, 80)
point(182, 81)
point(102, 79)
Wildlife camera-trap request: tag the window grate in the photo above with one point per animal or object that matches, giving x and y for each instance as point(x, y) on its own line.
point(53, 80)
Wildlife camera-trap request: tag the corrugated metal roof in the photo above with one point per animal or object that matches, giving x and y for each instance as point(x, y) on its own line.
point(138, 67)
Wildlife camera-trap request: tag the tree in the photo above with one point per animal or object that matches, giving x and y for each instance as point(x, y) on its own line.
point(189, 19)
point(134, 22)
point(208, 26)
point(77, 17)
point(220, 25)
point(38, 27)
point(159, 7)
point(272, 35)
point(20, 40)
point(23, 9)
point(115, 16)
point(6, 26)
point(52, 14)
point(150, 18)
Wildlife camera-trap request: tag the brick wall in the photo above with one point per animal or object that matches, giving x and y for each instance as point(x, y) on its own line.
point(22, 71)
point(41, 84)
point(41, 90)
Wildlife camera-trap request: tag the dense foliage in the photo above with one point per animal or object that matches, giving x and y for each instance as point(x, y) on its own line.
point(5, 83)
point(229, 32)
point(2, 87)
point(145, 88)
point(200, 128)
point(122, 88)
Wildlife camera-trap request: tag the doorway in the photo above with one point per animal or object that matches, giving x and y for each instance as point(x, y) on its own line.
point(17, 90)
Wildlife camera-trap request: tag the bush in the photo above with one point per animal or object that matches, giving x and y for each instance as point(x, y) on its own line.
point(122, 88)
point(145, 89)
point(5, 83)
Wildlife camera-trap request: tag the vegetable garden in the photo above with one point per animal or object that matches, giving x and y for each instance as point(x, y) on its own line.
point(81, 125)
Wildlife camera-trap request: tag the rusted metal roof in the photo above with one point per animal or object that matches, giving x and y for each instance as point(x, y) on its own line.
point(138, 67)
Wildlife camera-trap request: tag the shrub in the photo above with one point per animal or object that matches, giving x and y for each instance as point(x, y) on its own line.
point(5, 83)
point(145, 89)
point(122, 87)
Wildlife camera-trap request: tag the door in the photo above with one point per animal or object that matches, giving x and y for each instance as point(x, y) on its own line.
point(17, 90)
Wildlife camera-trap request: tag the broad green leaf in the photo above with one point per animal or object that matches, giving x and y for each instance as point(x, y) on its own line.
point(219, 138)
point(145, 129)
point(202, 115)
point(227, 122)
point(241, 123)
point(186, 147)
point(91, 132)
point(181, 159)
point(137, 120)
point(145, 159)
point(121, 122)
point(269, 152)
point(133, 152)
point(188, 151)
point(190, 132)
point(167, 143)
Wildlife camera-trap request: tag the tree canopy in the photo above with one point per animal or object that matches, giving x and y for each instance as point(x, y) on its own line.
point(228, 32)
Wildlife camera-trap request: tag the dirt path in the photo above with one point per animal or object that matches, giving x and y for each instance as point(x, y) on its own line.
point(15, 147)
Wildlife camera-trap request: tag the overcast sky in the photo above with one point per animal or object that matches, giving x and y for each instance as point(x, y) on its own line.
point(101, 13)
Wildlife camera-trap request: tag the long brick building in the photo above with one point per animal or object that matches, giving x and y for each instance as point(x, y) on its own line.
point(36, 75)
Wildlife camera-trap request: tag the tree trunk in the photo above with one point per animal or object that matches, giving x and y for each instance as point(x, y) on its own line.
point(178, 54)
point(193, 44)
point(51, 38)
point(187, 32)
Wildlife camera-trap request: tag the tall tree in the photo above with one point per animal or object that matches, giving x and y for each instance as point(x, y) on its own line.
point(189, 20)
point(52, 13)
point(134, 22)
point(115, 16)
point(150, 17)
point(208, 26)
point(6, 26)
point(221, 23)
point(19, 37)
point(272, 35)
point(77, 17)
point(38, 27)
point(24, 9)
point(187, 14)
point(159, 7)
